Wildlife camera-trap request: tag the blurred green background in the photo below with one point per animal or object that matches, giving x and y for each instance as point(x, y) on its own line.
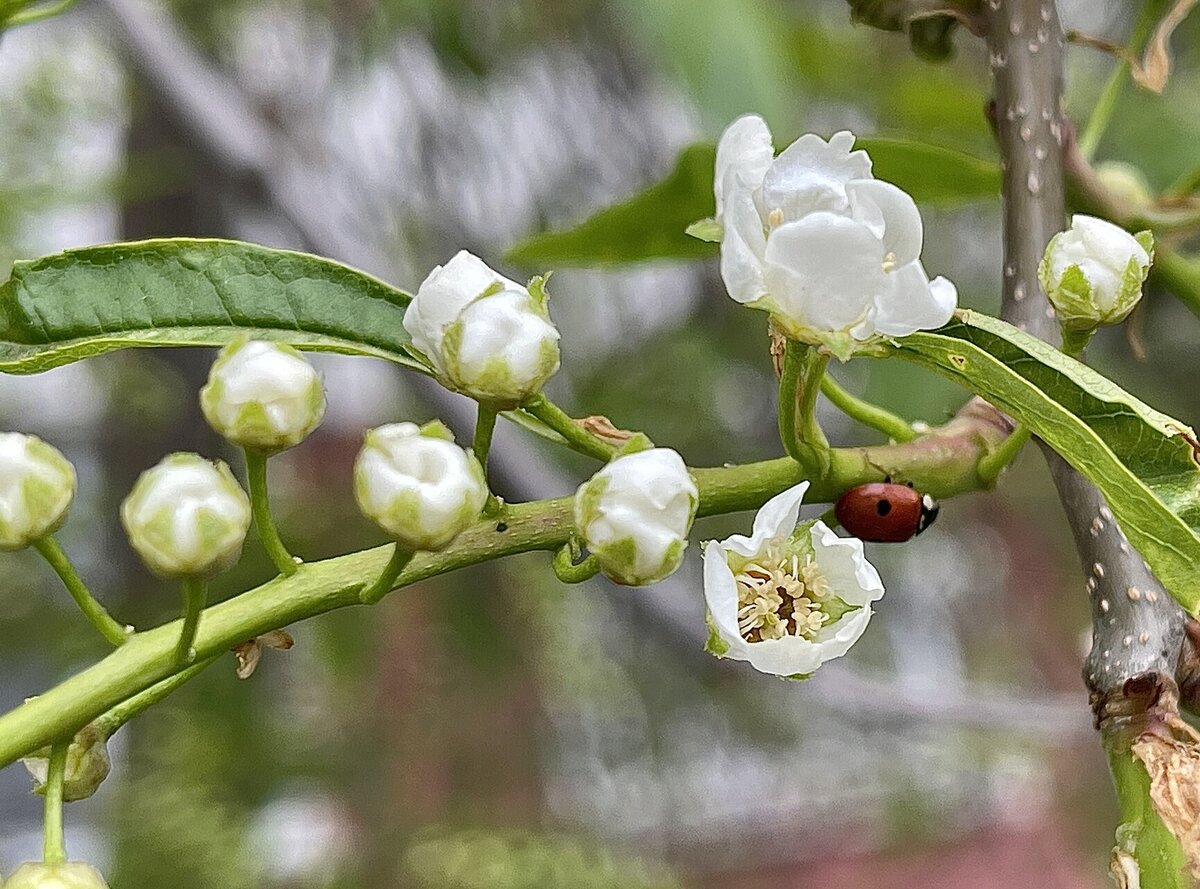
point(492, 728)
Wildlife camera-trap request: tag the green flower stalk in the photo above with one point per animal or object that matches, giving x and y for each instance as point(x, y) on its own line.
point(187, 518)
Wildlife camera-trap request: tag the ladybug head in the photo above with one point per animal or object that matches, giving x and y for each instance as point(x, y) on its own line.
point(929, 513)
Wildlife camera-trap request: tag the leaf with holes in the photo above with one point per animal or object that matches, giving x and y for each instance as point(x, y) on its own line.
point(1144, 462)
point(190, 292)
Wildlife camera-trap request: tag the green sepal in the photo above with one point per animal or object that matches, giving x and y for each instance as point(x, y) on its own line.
point(714, 644)
point(797, 677)
point(437, 429)
point(538, 292)
point(1146, 239)
point(637, 443)
point(837, 608)
point(707, 229)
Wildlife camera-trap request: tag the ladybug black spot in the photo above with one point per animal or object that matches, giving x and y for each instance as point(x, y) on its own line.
point(883, 507)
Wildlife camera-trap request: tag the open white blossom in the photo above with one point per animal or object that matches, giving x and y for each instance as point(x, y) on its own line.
point(187, 516)
point(832, 253)
point(787, 598)
point(37, 485)
point(1093, 272)
point(635, 515)
point(263, 395)
point(71, 875)
point(418, 485)
point(486, 336)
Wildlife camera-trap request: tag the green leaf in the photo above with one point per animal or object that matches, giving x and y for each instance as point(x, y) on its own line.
point(189, 292)
point(650, 225)
point(655, 223)
point(933, 175)
point(1144, 462)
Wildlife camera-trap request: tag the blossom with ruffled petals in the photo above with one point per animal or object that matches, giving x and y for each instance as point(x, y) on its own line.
point(787, 598)
point(832, 253)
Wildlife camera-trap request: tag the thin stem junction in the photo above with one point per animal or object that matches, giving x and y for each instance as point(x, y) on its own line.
point(575, 436)
point(260, 506)
point(799, 384)
point(195, 593)
point(54, 849)
point(53, 553)
point(388, 577)
point(894, 427)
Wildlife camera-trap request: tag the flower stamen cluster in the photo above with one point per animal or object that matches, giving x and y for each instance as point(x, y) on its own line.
point(781, 595)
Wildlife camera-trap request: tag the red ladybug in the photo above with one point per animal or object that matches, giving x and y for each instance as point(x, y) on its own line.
point(885, 512)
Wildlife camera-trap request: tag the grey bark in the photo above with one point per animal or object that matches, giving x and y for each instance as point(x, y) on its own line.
point(1137, 628)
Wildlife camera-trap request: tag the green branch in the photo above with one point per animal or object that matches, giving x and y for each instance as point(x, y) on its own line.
point(942, 463)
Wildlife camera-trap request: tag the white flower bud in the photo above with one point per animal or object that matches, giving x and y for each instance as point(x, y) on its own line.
point(635, 515)
point(72, 875)
point(1093, 272)
point(37, 485)
point(417, 485)
point(187, 516)
point(486, 336)
point(813, 238)
point(787, 599)
point(88, 764)
point(263, 395)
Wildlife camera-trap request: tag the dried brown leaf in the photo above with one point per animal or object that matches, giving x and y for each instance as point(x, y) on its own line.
point(1174, 769)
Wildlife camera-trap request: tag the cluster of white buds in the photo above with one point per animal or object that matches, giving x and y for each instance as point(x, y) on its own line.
point(187, 517)
point(263, 395)
point(37, 486)
point(70, 875)
point(813, 238)
point(484, 335)
point(1093, 274)
point(634, 515)
point(418, 485)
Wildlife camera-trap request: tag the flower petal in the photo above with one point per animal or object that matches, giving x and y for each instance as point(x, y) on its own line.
point(836, 639)
point(744, 154)
point(443, 295)
point(788, 656)
point(778, 516)
point(892, 214)
point(913, 303)
point(720, 594)
point(825, 271)
point(1109, 243)
point(810, 175)
point(742, 249)
point(851, 577)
